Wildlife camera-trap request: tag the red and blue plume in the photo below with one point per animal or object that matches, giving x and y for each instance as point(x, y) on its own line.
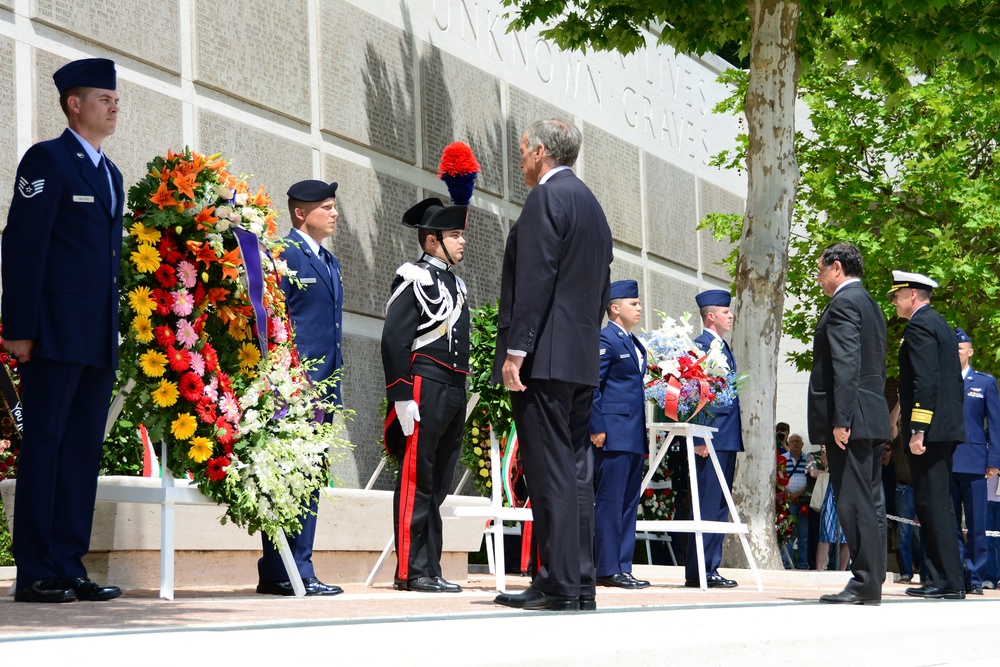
point(458, 170)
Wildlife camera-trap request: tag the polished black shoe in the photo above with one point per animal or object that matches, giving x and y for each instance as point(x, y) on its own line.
point(90, 591)
point(714, 580)
point(275, 588)
point(448, 586)
point(935, 593)
point(974, 589)
point(620, 580)
point(588, 603)
point(919, 591)
point(639, 583)
point(846, 597)
point(50, 589)
point(425, 585)
point(316, 587)
point(532, 598)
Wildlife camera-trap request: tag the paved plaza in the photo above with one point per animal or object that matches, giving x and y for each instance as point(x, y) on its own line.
point(666, 624)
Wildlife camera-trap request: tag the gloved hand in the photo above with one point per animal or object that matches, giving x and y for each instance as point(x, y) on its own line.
point(407, 412)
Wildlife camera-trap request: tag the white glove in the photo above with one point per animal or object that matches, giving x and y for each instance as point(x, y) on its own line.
point(407, 412)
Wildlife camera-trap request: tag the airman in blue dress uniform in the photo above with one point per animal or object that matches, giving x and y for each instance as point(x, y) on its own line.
point(61, 259)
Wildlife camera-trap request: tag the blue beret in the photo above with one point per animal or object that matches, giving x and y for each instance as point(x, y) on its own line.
point(312, 191)
point(624, 289)
point(714, 297)
point(962, 336)
point(91, 73)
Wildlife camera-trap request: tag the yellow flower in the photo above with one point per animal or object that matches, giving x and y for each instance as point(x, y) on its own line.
point(143, 329)
point(249, 356)
point(201, 449)
point(144, 234)
point(146, 258)
point(184, 426)
point(484, 472)
point(165, 395)
point(141, 301)
point(153, 363)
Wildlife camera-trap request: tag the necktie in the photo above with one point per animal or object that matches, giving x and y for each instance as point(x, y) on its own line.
point(106, 172)
point(327, 259)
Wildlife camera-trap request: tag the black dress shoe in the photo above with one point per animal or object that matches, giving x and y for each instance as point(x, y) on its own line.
point(93, 592)
point(532, 598)
point(846, 597)
point(639, 583)
point(935, 593)
point(588, 603)
point(448, 586)
point(426, 585)
point(919, 591)
point(974, 589)
point(275, 587)
point(714, 580)
point(50, 589)
point(316, 587)
point(620, 580)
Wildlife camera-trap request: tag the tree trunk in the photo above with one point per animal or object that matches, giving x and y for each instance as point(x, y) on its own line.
point(762, 267)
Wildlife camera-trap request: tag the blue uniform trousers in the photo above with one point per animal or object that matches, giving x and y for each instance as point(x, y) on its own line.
point(616, 503)
point(968, 492)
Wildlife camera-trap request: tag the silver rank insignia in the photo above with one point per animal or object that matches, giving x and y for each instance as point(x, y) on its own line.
point(29, 190)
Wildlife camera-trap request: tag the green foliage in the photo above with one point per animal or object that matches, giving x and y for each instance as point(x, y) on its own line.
point(493, 409)
point(122, 453)
point(911, 177)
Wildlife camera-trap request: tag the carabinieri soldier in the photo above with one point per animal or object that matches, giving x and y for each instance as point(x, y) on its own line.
point(425, 353)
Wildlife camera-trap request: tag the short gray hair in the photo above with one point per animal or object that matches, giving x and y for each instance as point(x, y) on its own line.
point(561, 140)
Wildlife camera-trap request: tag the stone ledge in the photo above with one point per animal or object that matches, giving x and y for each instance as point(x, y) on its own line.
point(354, 526)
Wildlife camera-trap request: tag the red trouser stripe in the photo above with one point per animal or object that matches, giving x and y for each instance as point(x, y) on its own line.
point(407, 491)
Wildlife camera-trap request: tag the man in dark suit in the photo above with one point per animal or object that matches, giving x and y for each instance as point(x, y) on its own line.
point(555, 287)
point(930, 398)
point(717, 318)
point(315, 301)
point(61, 258)
point(618, 431)
point(848, 413)
point(975, 461)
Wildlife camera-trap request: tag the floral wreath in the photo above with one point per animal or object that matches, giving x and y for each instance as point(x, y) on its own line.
point(200, 301)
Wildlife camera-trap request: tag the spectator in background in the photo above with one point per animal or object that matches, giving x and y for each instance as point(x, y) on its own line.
point(910, 553)
point(830, 531)
point(781, 431)
point(798, 503)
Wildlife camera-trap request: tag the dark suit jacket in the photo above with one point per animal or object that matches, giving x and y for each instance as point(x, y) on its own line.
point(619, 401)
point(727, 420)
point(61, 255)
point(981, 412)
point(556, 283)
point(315, 307)
point(930, 379)
point(847, 383)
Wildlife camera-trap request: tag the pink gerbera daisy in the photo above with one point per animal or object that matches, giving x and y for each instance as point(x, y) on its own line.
point(183, 303)
point(187, 274)
point(186, 334)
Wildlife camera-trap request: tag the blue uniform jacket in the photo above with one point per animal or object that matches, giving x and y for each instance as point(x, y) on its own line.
point(62, 254)
point(726, 420)
point(315, 307)
point(619, 405)
point(981, 409)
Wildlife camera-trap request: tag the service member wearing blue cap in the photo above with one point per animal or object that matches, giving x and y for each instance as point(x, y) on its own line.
point(315, 306)
point(930, 398)
point(60, 317)
point(717, 319)
point(618, 431)
point(849, 415)
point(425, 355)
point(973, 462)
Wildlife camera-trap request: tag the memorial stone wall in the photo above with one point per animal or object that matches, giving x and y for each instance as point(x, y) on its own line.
point(367, 93)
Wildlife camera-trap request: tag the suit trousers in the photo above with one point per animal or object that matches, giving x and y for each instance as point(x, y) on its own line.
point(931, 493)
point(856, 475)
point(553, 424)
point(427, 468)
point(65, 411)
point(968, 492)
point(713, 508)
point(616, 506)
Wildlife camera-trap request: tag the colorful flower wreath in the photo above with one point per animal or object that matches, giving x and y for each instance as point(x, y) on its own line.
point(200, 301)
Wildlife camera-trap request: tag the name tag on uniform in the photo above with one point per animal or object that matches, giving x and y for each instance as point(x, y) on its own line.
point(308, 281)
point(83, 199)
point(624, 356)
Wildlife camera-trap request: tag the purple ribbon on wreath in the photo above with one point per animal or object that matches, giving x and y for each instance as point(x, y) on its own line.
point(250, 249)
